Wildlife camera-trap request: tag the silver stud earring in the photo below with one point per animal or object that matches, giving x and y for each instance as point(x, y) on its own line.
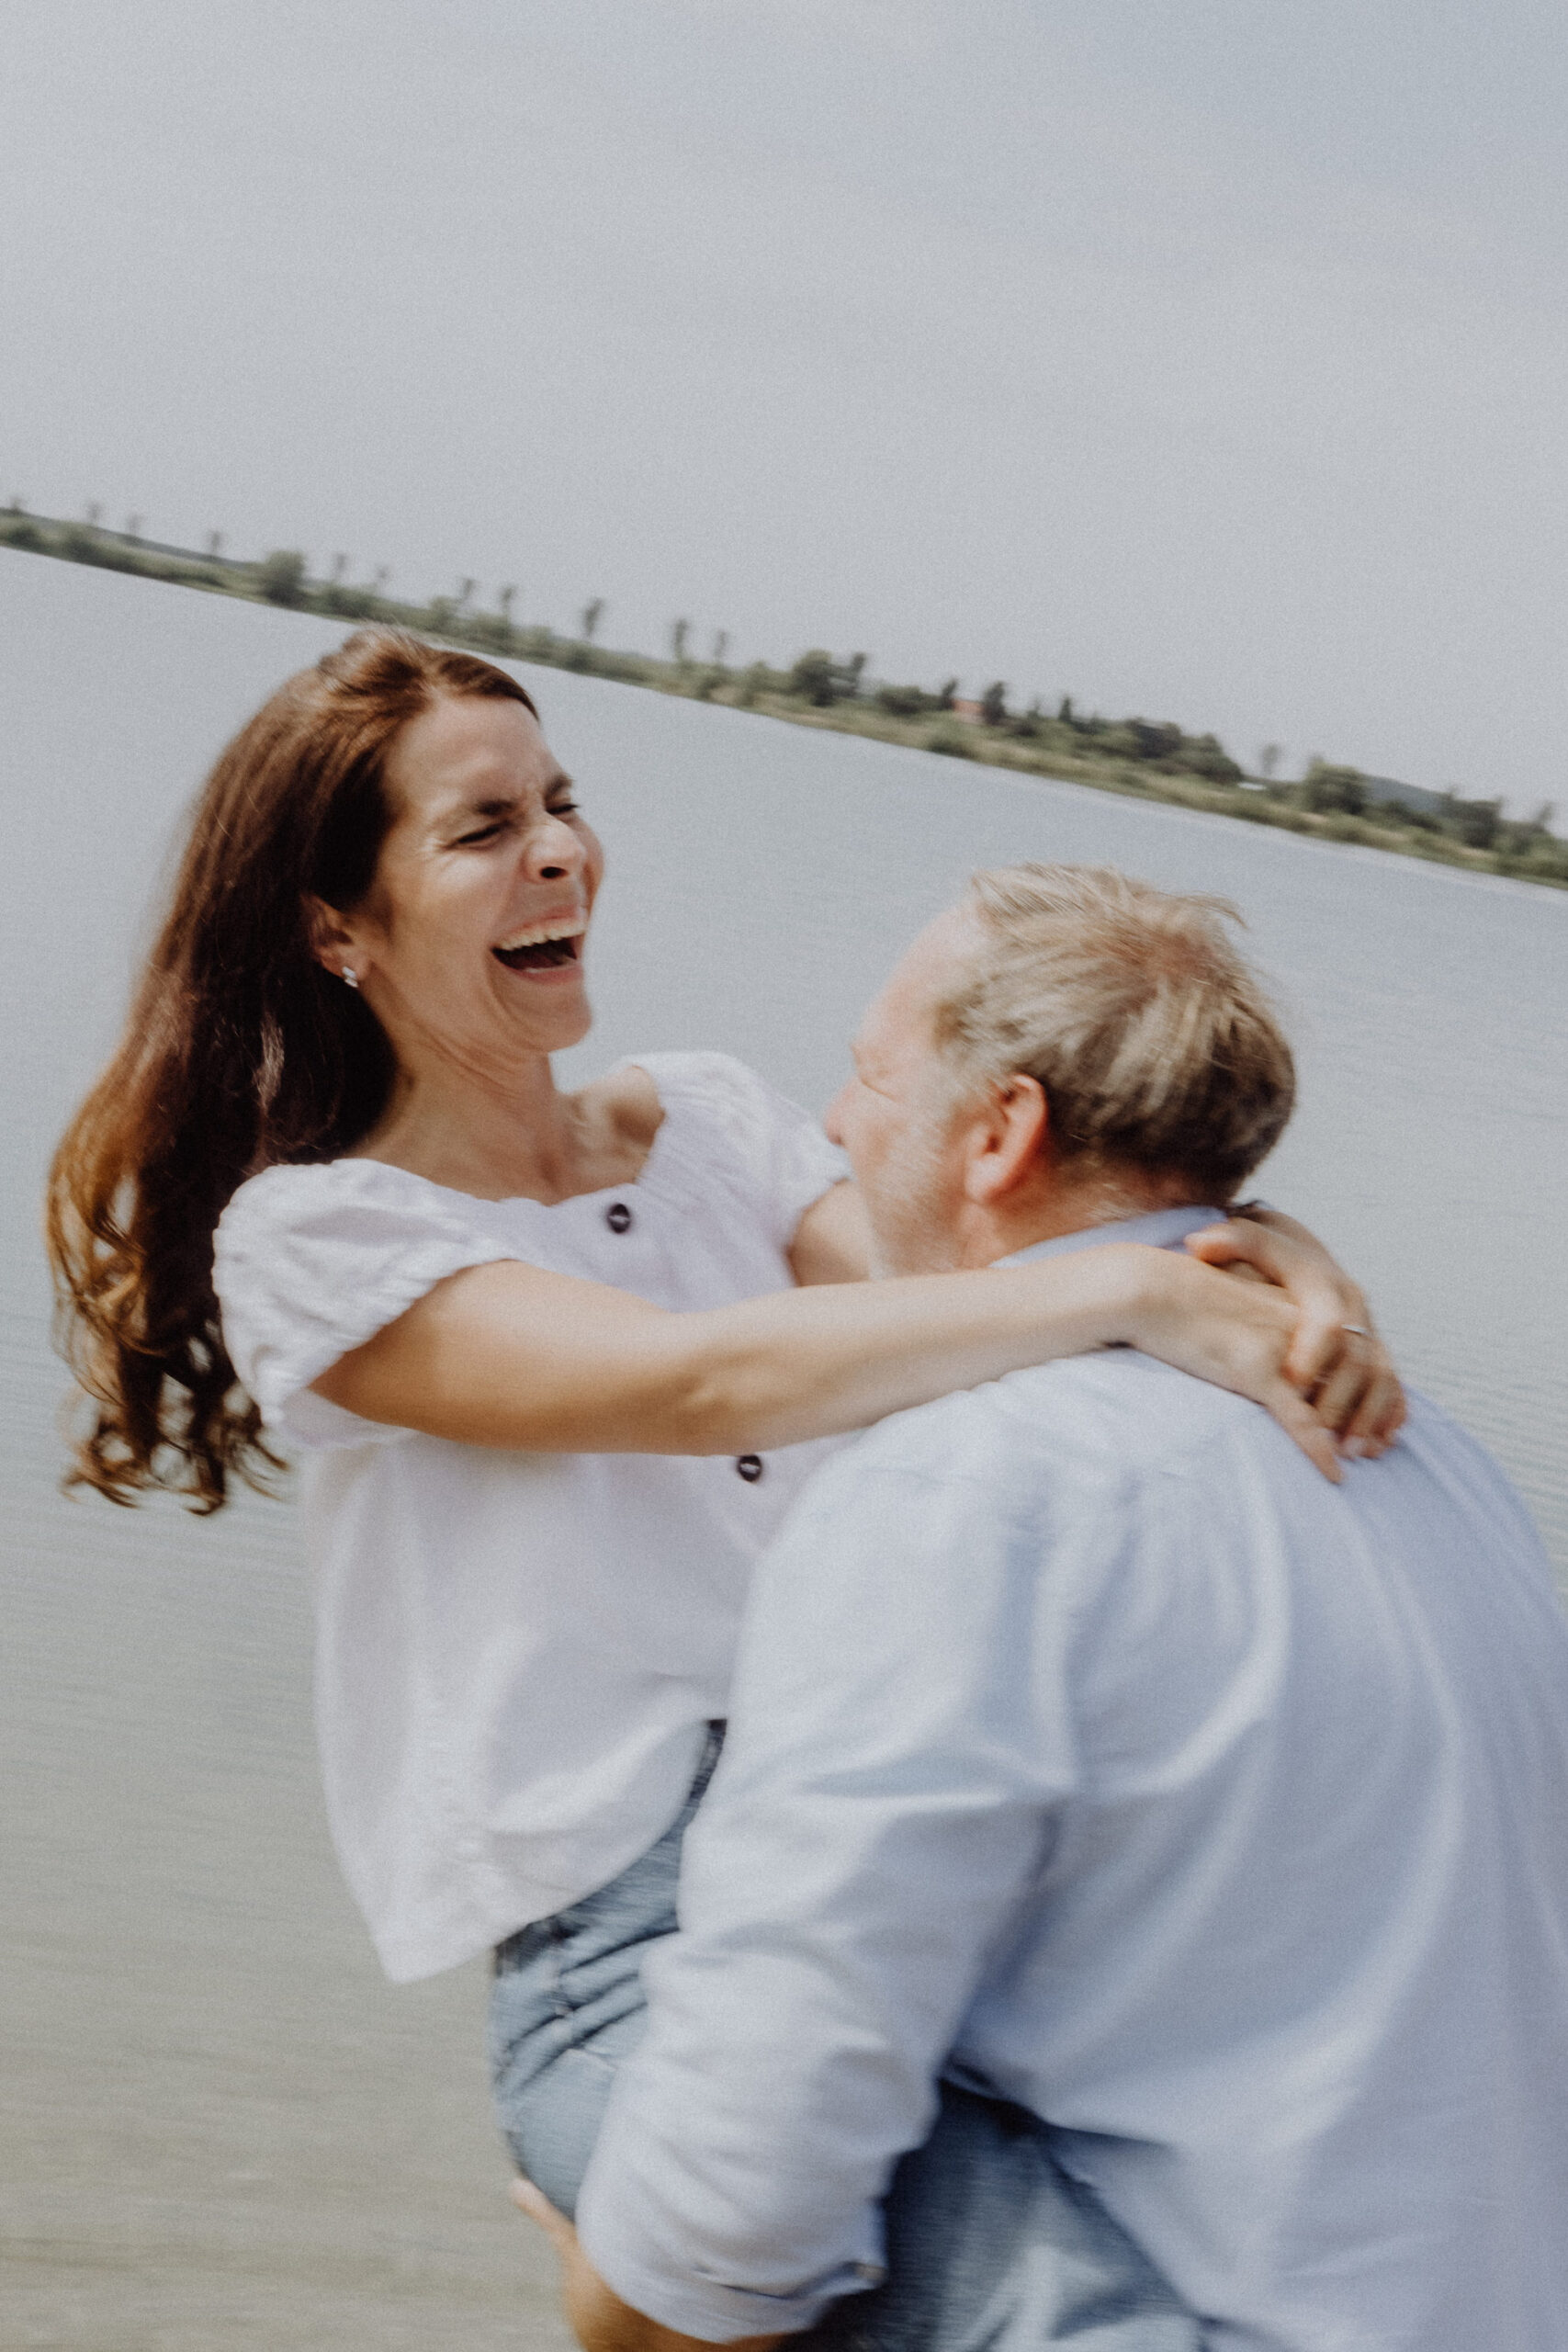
point(352, 978)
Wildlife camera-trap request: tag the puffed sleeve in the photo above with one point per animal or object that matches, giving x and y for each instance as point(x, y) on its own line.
point(776, 1151)
point(310, 1263)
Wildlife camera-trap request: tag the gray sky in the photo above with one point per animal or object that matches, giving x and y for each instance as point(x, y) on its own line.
point(1203, 358)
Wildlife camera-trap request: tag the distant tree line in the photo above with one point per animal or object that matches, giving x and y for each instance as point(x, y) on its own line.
point(1158, 744)
point(1518, 843)
point(1155, 757)
point(284, 578)
point(1349, 805)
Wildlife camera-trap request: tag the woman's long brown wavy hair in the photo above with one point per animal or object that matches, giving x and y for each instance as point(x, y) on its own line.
point(240, 1051)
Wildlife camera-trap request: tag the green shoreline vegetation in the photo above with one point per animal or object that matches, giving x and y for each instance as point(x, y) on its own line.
point(1141, 758)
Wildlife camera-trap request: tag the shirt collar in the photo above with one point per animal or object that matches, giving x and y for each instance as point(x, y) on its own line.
point(1160, 1229)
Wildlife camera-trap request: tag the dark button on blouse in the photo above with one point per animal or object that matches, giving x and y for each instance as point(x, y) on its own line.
point(750, 1467)
point(619, 1218)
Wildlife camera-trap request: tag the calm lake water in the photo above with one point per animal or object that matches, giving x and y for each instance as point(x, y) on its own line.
point(219, 2129)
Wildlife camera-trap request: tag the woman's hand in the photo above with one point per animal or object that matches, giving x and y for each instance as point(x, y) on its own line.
point(1237, 1335)
point(1337, 1359)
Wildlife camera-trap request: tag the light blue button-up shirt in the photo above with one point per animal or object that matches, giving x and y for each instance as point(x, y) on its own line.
point(1087, 1741)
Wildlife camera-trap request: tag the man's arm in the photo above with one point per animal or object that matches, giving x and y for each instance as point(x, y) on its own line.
point(899, 1740)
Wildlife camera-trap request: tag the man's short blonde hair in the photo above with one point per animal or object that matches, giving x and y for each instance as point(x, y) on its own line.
point(1154, 1043)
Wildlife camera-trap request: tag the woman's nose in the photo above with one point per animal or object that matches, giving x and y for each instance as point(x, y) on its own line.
point(554, 852)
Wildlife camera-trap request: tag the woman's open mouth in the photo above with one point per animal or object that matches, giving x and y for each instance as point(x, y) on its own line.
point(543, 946)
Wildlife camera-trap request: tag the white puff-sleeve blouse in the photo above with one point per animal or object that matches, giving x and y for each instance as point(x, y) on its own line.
point(517, 1652)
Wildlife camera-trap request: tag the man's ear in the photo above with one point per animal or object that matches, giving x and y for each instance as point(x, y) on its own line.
point(1008, 1139)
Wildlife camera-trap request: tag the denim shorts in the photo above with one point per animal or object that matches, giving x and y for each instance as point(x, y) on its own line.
point(566, 2006)
point(991, 2246)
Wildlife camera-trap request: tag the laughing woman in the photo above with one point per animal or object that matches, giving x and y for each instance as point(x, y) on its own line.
point(552, 1361)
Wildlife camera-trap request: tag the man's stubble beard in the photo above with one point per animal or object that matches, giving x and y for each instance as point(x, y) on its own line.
point(911, 1211)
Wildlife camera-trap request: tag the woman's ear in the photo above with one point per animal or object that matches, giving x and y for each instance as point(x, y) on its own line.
point(332, 943)
point(1007, 1141)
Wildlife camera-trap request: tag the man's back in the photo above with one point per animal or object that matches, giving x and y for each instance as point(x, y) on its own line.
point(1218, 1816)
point(1292, 1981)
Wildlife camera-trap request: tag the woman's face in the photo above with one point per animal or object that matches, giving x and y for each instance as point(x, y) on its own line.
point(471, 940)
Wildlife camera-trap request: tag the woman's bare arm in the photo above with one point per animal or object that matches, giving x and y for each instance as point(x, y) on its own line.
point(510, 1355)
point(1337, 1356)
point(832, 1241)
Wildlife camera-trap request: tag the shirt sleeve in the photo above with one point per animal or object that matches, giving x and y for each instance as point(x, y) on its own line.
point(900, 1742)
point(782, 1157)
point(310, 1263)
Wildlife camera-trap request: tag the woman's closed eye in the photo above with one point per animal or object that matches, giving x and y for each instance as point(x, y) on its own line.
point(480, 835)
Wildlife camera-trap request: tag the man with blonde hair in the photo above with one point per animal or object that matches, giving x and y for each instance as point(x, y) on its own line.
point(1196, 1824)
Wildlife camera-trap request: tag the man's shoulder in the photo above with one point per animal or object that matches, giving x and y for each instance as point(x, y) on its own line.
point(1108, 1434)
point(1097, 1423)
